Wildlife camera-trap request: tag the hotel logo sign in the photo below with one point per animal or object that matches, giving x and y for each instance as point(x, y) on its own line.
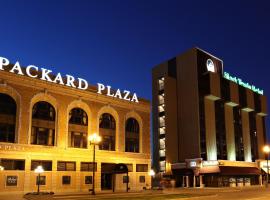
point(67, 80)
point(242, 83)
point(210, 65)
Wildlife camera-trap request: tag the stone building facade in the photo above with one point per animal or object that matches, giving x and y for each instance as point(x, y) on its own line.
point(43, 123)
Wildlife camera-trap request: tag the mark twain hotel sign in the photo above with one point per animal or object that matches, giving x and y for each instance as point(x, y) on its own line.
point(67, 80)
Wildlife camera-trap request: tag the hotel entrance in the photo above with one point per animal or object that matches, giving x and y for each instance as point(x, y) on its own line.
point(107, 176)
point(109, 172)
point(106, 181)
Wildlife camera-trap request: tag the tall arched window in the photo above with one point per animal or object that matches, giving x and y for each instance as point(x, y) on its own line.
point(77, 128)
point(7, 118)
point(132, 135)
point(43, 124)
point(107, 131)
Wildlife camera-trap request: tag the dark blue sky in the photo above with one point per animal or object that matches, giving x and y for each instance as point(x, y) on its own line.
point(117, 42)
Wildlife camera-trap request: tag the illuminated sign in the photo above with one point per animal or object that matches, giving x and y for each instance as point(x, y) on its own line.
point(193, 164)
point(210, 65)
point(125, 95)
point(32, 71)
point(210, 163)
point(67, 80)
point(242, 83)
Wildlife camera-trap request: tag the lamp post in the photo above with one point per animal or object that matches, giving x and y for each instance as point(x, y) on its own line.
point(94, 140)
point(266, 150)
point(152, 174)
point(39, 170)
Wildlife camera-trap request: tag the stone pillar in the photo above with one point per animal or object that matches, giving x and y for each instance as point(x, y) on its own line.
point(201, 182)
point(78, 177)
point(187, 181)
point(27, 175)
point(54, 175)
point(260, 180)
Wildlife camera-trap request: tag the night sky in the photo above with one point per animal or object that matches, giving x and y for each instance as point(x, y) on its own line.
point(117, 42)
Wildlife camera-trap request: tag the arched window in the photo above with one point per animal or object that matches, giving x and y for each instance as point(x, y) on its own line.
point(107, 132)
point(7, 118)
point(77, 128)
point(132, 135)
point(43, 124)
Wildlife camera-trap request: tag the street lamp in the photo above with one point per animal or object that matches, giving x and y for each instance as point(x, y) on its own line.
point(39, 170)
point(266, 150)
point(94, 140)
point(1, 168)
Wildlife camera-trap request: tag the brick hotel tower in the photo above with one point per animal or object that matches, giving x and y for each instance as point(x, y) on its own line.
point(207, 130)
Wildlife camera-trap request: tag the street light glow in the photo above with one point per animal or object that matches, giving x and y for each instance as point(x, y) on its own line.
point(152, 173)
point(1, 168)
point(39, 169)
point(94, 138)
point(266, 149)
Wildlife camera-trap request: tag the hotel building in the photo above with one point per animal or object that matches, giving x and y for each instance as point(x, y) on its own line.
point(45, 123)
point(208, 126)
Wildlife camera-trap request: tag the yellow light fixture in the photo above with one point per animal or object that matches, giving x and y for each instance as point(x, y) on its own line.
point(151, 173)
point(266, 149)
point(94, 138)
point(39, 169)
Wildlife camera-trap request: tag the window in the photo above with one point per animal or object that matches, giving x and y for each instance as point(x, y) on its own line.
point(78, 128)
point(42, 136)
point(132, 135)
point(43, 124)
point(43, 110)
point(142, 179)
point(107, 121)
point(66, 166)
point(78, 116)
point(47, 165)
point(9, 164)
point(66, 180)
point(88, 166)
point(87, 180)
point(253, 136)
point(77, 140)
point(238, 133)
point(125, 179)
point(220, 130)
point(7, 118)
point(141, 168)
point(41, 180)
point(107, 131)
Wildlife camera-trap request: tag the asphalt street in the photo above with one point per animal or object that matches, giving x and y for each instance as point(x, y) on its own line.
point(247, 193)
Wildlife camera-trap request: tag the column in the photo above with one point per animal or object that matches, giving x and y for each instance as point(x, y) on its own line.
point(260, 135)
point(201, 182)
point(210, 126)
point(246, 136)
point(229, 126)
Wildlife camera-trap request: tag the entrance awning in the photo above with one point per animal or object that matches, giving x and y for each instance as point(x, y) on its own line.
point(234, 171)
point(210, 170)
point(221, 170)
